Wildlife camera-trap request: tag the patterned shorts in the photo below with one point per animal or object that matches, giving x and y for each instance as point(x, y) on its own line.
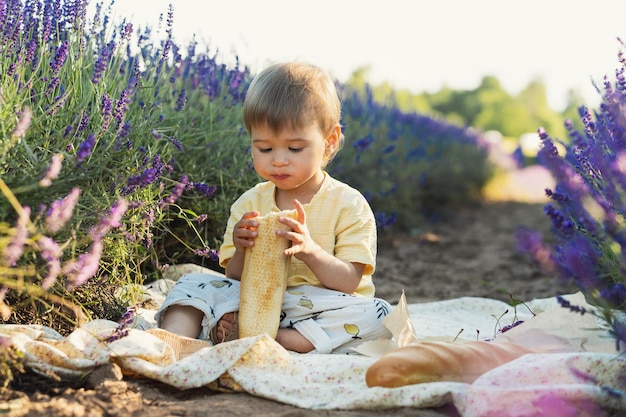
point(332, 321)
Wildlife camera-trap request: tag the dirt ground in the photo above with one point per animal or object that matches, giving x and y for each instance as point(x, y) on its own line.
point(473, 254)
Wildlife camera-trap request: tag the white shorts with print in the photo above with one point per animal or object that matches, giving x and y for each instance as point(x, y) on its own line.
point(334, 322)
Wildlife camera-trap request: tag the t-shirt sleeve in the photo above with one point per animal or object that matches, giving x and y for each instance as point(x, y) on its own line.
point(356, 235)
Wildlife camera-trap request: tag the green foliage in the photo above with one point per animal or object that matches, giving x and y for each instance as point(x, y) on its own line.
point(486, 107)
point(410, 167)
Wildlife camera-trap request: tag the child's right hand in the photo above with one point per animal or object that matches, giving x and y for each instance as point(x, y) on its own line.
point(244, 231)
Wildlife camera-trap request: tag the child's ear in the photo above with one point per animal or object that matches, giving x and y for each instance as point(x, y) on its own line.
point(332, 141)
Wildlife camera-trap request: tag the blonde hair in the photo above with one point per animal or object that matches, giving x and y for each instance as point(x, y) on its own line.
point(293, 95)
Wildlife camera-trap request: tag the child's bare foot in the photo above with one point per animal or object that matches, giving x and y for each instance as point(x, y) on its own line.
point(291, 339)
point(225, 329)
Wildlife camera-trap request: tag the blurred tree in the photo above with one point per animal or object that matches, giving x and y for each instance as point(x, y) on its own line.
point(487, 107)
point(534, 100)
point(498, 110)
point(454, 105)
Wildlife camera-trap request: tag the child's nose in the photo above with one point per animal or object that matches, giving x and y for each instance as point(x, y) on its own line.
point(280, 159)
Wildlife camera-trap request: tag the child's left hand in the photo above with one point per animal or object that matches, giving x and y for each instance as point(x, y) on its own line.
point(300, 237)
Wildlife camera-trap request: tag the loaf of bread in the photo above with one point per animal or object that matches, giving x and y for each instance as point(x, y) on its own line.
point(264, 278)
point(434, 361)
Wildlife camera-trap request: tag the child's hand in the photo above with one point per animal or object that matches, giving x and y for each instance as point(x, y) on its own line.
point(244, 231)
point(300, 237)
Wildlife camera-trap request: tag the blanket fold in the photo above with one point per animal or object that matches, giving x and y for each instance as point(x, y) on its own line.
point(579, 368)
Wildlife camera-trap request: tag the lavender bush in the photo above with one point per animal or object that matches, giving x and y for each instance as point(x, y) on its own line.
point(410, 167)
point(588, 205)
point(93, 117)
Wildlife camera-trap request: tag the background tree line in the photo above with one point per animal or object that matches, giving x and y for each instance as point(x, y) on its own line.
point(486, 107)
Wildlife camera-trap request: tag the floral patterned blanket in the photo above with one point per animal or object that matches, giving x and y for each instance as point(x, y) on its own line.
point(578, 373)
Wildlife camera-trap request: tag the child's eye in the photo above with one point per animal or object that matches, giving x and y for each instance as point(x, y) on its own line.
point(265, 150)
point(296, 149)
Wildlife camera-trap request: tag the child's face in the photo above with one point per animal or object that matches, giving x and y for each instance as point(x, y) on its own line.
point(293, 158)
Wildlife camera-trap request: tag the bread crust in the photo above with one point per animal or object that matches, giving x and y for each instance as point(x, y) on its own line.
point(264, 278)
point(435, 361)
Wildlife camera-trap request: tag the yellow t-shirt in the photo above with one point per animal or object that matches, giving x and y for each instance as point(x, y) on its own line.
point(339, 219)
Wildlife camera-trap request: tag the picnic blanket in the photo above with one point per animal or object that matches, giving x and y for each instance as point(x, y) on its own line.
point(579, 371)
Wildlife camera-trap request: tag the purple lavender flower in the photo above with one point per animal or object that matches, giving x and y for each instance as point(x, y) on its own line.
point(618, 330)
point(148, 176)
point(362, 144)
point(78, 272)
point(559, 221)
point(31, 48)
point(107, 108)
point(548, 149)
point(11, 69)
point(51, 253)
point(204, 189)
point(177, 191)
point(134, 80)
point(112, 220)
point(385, 220)
point(201, 218)
point(48, 21)
point(123, 327)
point(75, 12)
point(58, 103)
point(170, 20)
point(557, 196)
point(567, 304)
point(181, 100)
point(615, 295)
point(122, 133)
point(84, 122)
point(149, 218)
point(531, 243)
point(127, 31)
point(59, 58)
point(61, 211)
point(24, 123)
point(208, 253)
point(68, 130)
point(54, 169)
point(14, 250)
point(96, 20)
point(85, 148)
point(54, 83)
point(178, 144)
point(102, 62)
point(121, 107)
point(578, 260)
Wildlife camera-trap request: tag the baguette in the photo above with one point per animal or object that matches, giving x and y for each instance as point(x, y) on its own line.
point(436, 361)
point(264, 278)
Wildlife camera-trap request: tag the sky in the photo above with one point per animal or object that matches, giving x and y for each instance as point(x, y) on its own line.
point(411, 44)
